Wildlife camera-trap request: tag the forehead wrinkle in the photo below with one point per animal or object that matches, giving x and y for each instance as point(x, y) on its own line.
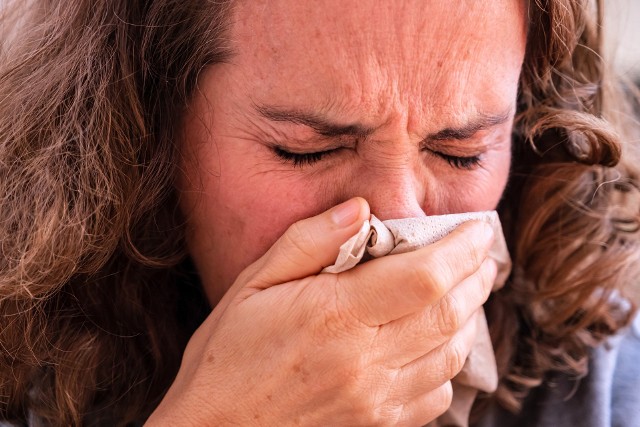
point(373, 81)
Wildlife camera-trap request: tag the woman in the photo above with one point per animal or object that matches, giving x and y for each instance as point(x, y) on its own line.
point(181, 171)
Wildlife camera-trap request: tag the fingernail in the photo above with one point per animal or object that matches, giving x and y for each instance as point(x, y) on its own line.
point(346, 213)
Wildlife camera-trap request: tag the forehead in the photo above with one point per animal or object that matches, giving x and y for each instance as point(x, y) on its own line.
point(371, 54)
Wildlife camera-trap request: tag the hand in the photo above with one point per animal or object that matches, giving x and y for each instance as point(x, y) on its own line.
point(377, 344)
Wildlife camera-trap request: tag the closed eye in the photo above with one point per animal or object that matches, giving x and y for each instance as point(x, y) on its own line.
point(302, 159)
point(308, 159)
point(459, 162)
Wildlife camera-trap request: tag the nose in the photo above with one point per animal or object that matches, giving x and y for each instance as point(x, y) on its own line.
point(393, 192)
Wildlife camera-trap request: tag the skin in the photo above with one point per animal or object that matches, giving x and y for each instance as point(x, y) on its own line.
point(400, 98)
point(444, 67)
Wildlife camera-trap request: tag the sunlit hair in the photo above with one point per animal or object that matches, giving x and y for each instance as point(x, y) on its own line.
point(97, 299)
point(572, 208)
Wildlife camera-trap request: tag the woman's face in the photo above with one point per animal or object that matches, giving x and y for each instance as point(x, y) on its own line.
point(408, 104)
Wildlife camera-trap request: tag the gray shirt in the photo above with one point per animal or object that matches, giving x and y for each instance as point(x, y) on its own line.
point(608, 396)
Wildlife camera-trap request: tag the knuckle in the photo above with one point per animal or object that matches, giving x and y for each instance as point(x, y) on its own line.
point(432, 278)
point(456, 356)
point(473, 253)
point(449, 318)
point(469, 250)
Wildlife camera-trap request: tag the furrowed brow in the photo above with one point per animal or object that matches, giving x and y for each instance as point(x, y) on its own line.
point(319, 124)
point(484, 122)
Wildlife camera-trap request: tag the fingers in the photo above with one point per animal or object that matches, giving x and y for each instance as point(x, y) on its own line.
point(438, 366)
point(392, 287)
point(427, 407)
point(310, 245)
point(424, 389)
point(412, 336)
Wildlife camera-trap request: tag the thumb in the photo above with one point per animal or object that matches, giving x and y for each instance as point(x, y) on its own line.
point(310, 245)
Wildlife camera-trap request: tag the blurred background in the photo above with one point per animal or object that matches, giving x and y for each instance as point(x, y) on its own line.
point(622, 31)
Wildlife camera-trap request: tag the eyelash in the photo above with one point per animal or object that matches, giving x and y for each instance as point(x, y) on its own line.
point(460, 162)
point(304, 159)
point(301, 159)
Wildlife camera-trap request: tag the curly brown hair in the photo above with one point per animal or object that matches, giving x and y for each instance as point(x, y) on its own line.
point(97, 295)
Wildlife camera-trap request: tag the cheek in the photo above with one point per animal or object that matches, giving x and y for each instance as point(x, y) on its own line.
point(260, 207)
point(240, 207)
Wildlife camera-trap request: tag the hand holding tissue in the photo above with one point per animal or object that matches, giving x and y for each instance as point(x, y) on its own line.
point(379, 238)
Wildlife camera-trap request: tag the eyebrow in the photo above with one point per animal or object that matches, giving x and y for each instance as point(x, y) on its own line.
point(483, 122)
point(319, 124)
point(326, 128)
